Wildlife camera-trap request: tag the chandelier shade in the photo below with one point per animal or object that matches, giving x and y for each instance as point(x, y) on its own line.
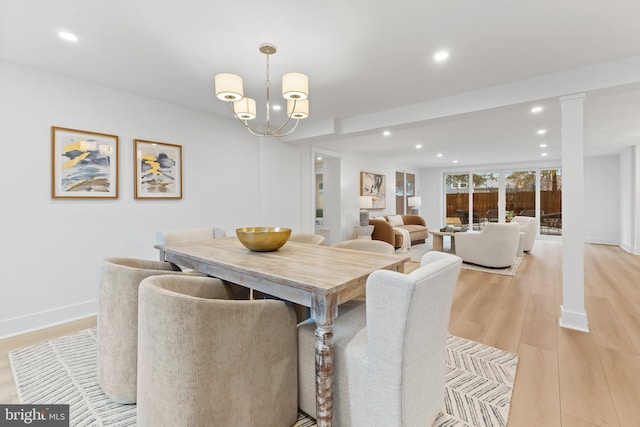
point(298, 109)
point(229, 87)
point(295, 89)
point(295, 86)
point(245, 109)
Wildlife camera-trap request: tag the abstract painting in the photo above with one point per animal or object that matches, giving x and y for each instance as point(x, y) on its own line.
point(84, 164)
point(375, 185)
point(158, 170)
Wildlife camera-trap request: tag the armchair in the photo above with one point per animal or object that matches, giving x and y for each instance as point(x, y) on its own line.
point(389, 367)
point(528, 225)
point(206, 360)
point(495, 246)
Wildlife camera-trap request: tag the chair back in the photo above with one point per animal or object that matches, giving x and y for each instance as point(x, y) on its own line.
point(366, 245)
point(313, 239)
point(407, 329)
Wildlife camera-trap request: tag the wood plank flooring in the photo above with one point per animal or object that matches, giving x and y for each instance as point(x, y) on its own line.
point(565, 378)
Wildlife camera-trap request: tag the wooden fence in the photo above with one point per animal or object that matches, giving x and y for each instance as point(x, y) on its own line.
point(550, 201)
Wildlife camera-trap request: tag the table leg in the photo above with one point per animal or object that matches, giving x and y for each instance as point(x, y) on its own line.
point(324, 309)
point(324, 375)
point(453, 243)
point(438, 243)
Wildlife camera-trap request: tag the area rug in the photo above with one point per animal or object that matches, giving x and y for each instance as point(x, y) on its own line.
point(479, 383)
point(416, 252)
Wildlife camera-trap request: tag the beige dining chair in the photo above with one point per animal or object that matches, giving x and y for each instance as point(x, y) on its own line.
point(390, 353)
point(207, 360)
point(117, 323)
point(188, 235)
point(366, 245)
point(313, 239)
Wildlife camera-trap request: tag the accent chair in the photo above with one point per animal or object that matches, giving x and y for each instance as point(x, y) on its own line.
point(366, 245)
point(528, 225)
point(312, 239)
point(117, 323)
point(496, 246)
point(208, 360)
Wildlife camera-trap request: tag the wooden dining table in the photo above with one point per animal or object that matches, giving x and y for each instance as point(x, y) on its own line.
point(319, 277)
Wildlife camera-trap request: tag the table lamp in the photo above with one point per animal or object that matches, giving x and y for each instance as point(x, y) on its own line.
point(366, 202)
point(414, 203)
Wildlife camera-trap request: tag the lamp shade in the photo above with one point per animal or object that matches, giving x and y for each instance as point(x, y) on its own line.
point(245, 109)
point(298, 109)
point(295, 86)
point(414, 201)
point(366, 202)
point(229, 87)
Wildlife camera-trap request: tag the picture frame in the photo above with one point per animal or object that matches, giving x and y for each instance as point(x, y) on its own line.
point(84, 164)
point(157, 170)
point(375, 185)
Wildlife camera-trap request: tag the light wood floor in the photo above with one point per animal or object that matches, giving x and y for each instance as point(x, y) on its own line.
point(565, 378)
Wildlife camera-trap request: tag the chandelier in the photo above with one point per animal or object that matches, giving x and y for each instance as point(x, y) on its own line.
point(295, 89)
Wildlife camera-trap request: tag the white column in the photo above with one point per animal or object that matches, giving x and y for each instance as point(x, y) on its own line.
point(572, 314)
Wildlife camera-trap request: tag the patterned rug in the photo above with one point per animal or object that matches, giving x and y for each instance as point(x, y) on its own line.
point(479, 383)
point(416, 253)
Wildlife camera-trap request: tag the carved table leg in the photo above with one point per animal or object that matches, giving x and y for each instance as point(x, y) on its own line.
point(324, 374)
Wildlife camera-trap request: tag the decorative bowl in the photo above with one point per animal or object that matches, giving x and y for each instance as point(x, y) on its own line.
point(263, 239)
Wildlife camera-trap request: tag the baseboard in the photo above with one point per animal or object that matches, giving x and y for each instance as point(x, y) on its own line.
point(45, 319)
point(574, 320)
point(600, 241)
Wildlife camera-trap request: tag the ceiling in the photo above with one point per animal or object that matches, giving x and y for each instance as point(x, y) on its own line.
point(362, 58)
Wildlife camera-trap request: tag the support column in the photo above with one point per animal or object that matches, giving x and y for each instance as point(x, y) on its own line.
point(573, 315)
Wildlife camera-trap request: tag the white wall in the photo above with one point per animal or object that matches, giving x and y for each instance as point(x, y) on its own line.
point(602, 200)
point(629, 183)
point(51, 248)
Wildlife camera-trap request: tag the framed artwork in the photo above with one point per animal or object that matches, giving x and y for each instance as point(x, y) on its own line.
point(158, 170)
point(372, 184)
point(84, 164)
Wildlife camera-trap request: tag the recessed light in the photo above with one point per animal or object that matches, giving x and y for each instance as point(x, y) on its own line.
point(542, 145)
point(536, 109)
point(418, 145)
point(544, 154)
point(455, 161)
point(318, 158)
point(68, 36)
point(276, 107)
point(542, 131)
point(439, 154)
point(386, 133)
point(441, 56)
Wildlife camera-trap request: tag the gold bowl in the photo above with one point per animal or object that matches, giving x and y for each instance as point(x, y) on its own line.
point(263, 239)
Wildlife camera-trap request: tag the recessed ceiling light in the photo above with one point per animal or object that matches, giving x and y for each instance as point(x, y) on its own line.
point(536, 109)
point(418, 145)
point(68, 36)
point(386, 133)
point(276, 107)
point(318, 158)
point(439, 154)
point(455, 161)
point(542, 131)
point(441, 56)
point(543, 145)
point(544, 154)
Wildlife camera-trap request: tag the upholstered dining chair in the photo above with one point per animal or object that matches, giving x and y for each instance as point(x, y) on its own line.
point(206, 360)
point(313, 239)
point(188, 235)
point(390, 353)
point(117, 323)
point(496, 246)
point(366, 245)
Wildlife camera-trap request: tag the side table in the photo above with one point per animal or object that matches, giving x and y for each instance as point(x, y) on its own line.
point(364, 231)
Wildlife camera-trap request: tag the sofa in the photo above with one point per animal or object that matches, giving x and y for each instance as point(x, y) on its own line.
point(383, 229)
